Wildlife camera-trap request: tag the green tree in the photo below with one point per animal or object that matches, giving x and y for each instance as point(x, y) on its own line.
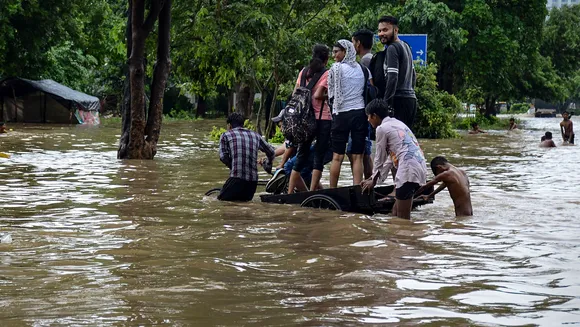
point(561, 46)
point(67, 41)
point(501, 46)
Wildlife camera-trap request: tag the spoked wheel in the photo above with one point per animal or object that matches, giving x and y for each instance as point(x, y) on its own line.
point(321, 201)
point(213, 192)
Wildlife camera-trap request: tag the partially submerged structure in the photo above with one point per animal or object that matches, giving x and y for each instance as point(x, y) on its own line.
point(45, 101)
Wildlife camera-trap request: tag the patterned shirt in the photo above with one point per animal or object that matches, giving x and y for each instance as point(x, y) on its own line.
point(397, 147)
point(239, 151)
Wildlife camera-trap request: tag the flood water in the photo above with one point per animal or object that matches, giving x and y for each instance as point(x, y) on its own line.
point(102, 242)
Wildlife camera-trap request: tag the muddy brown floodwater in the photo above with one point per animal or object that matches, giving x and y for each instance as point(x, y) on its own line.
point(102, 242)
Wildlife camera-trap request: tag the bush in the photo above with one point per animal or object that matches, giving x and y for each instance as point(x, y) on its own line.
point(491, 122)
point(519, 108)
point(216, 133)
point(436, 109)
point(179, 115)
point(278, 137)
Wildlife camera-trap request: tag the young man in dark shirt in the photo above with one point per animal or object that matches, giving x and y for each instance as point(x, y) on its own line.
point(393, 72)
point(239, 152)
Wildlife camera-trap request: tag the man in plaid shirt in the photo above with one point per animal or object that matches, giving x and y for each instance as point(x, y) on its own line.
point(239, 151)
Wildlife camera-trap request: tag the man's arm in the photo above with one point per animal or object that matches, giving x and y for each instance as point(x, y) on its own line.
point(562, 131)
point(414, 77)
point(391, 72)
point(268, 150)
point(382, 163)
point(288, 153)
point(225, 155)
point(435, 180)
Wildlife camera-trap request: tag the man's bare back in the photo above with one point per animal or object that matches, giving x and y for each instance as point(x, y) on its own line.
point(455, 180)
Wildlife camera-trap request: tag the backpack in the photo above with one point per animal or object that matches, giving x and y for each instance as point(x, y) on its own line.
point(299, 122)
point(376, 68)
point(369, 90)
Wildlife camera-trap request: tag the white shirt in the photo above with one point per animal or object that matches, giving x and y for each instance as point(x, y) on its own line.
point(397, 147)
point(352, 88)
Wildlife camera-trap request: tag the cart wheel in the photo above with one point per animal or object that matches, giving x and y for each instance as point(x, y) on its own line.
point(213, 192)
point(321, 201)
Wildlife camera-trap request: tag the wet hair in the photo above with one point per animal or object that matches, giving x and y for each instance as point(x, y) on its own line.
point(365, 37)
point(378, 107)
point(320, 55)
point(543, 138)
point(235, 119)
point(567, 113)
point(474, 124)
point(512, 119)
point(338, 45)
point(548, 135)
point(438, 161)
point(389, 20)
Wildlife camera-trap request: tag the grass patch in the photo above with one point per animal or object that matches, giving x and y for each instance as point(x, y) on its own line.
point(492, 122)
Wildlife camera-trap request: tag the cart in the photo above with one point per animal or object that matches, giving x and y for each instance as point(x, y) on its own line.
point(349, 199)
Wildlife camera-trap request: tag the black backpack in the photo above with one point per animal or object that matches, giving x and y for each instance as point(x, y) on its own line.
point(376, 68)
point(299, 122)
point(369, 90)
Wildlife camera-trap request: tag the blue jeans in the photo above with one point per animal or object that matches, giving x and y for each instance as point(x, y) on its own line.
point(306, 172)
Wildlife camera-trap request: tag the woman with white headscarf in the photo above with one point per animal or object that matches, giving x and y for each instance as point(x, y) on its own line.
point(346, 82)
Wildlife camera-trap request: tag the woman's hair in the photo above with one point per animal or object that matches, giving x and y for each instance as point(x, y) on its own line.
point(318, 61)
point(338, 45)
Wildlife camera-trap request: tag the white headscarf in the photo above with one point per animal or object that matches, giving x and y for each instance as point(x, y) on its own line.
point(335, 74)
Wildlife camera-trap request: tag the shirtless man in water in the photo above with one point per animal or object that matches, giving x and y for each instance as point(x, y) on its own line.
point(455, 180)
point(567, 129)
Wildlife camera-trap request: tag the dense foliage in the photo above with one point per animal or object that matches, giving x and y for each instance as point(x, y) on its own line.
point(483, 51)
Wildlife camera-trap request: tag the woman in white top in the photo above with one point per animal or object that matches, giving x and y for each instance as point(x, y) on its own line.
point(346, 84)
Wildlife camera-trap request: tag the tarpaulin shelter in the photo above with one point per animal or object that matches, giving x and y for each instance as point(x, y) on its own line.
point(45, 101)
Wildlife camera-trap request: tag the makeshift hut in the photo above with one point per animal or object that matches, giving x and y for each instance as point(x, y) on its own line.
point(45, 101)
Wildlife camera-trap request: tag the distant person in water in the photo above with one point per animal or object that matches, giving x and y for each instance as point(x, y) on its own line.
point(239, 152)
point(567, 128)
point(3, 128)
point(513, 124)
point(455, 180)
point(546, 141)
point(475, 129)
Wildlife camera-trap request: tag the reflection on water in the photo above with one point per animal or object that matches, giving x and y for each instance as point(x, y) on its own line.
point(104, 242)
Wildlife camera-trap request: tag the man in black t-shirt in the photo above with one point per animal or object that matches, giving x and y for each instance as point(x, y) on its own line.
point(394, 73)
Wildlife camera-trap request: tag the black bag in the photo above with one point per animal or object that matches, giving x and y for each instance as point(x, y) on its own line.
point(378, 71)
point(299, 122)
point(369, 90)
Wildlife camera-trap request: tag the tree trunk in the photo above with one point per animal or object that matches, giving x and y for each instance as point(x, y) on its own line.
point(126, 103)
point(269, 124)
point(230, 107)
point(159, 82)
point(244, 100)
point(139, 137)
point(490, 106)
point(201, 108)
point(259, 114)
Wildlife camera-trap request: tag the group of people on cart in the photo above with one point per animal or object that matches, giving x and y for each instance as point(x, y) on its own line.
point(352, 103)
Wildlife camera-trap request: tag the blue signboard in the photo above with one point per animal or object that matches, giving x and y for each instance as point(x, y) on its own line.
point(418, 45)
